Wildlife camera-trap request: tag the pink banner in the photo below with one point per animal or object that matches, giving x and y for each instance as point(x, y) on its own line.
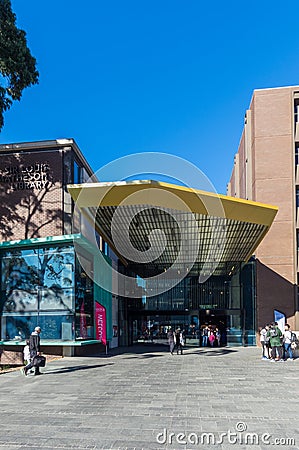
point(100, 313)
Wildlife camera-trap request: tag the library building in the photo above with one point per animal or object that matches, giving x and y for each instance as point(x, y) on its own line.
point(99, 264)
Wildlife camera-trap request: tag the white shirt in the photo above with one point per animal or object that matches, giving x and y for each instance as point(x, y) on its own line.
point(287, 337)
point(263, 333)
point(26, 353)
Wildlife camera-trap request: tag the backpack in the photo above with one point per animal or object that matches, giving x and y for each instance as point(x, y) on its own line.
point(294, 338)
point(273, 332)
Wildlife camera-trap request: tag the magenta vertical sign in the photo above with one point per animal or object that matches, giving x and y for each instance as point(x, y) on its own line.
point(100, 313)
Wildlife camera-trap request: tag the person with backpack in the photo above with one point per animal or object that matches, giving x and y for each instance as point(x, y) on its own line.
point(288, 338)
point(275, 339)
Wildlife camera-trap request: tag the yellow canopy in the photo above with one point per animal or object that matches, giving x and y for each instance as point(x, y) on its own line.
point(227, 229)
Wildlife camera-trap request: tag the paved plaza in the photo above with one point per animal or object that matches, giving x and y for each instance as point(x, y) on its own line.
point(144, 398)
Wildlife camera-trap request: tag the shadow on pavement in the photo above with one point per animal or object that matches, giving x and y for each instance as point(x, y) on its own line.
point(150, 351)
point(75, 368)
point(143, 356)
point(136, 349)
point(216, 352)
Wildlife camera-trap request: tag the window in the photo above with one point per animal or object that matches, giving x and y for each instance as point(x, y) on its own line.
point(296, 111)
point(20, 280)
point(84, 318)
point(77, 173)
point(37, 288)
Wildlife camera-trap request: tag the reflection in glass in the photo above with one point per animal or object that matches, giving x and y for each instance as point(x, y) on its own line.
point(56, 298)
point(84, 319)
point(20, 301)
point(54, 326)
point(18, 326)
point(20, 270)
point(34, 282)
point(57, 267)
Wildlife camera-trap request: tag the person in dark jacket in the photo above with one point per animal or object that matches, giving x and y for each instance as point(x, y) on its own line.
point(34, 347)
point(179, 341)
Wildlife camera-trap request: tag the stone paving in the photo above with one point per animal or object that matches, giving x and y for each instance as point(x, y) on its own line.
point(145, 398)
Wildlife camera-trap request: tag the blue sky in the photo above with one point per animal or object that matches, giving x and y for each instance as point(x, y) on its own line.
point(152, 76)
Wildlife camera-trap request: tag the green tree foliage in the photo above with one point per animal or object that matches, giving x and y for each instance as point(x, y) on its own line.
point(17, 65)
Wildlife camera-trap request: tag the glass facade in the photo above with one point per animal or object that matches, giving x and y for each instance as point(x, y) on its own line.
point(45, 286)
point(227, 303)
point(84, 301)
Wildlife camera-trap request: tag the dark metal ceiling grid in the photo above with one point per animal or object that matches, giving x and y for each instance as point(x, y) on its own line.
point(220, 239)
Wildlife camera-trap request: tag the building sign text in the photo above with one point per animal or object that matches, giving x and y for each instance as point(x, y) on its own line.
point(23, 176)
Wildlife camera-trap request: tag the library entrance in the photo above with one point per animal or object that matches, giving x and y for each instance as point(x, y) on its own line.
point(154, 328)
point(184, 258)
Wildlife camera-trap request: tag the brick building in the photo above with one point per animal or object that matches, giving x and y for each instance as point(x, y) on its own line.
point(266, 170)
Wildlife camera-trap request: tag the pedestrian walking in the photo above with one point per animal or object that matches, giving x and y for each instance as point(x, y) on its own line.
point(171, 339)
point(179, 341)
point(34, 348)
point(26, 353)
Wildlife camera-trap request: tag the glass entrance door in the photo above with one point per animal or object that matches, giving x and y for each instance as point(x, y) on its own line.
point(154, 328)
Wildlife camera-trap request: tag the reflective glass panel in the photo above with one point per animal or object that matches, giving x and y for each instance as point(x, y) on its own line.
point(38, 288)
point(20, 280)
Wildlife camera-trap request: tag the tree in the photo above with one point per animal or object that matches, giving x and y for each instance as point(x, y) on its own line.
point(17, 65)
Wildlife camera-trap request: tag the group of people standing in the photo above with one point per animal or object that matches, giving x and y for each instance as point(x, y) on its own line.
point(210, 336)
point(278, 345)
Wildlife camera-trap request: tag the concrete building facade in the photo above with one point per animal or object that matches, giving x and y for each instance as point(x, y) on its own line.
point(266, 170)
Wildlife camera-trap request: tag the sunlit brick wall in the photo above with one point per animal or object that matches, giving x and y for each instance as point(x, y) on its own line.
point(31, 194)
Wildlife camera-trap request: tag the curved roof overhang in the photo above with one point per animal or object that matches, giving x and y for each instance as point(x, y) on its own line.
point(228, 229)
